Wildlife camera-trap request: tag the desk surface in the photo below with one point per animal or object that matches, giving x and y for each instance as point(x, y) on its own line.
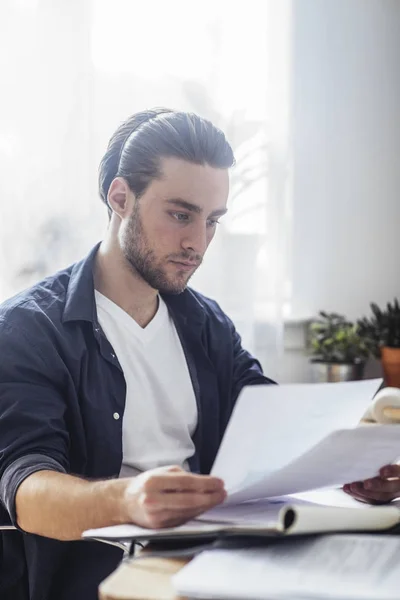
point(142, 579)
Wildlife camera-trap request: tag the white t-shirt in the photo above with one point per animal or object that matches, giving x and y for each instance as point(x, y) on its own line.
point(160, 411)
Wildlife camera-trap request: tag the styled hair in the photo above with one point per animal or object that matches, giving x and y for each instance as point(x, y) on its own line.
point(135, 150)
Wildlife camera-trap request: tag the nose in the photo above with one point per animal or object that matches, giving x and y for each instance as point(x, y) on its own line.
point(196, 238)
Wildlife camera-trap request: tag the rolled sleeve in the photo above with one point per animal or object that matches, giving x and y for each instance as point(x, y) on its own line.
point(15, 474)
point(33, 433)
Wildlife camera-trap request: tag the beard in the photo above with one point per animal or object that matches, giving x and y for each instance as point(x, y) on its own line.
point(143, 261)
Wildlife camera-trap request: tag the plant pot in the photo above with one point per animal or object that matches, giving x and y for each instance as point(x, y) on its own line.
point(391, 365)
point(335, 372)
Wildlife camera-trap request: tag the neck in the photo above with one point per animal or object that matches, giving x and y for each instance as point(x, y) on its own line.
point(116, 279)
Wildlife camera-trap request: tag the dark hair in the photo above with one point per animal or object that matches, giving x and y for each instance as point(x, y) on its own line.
point(135, 149)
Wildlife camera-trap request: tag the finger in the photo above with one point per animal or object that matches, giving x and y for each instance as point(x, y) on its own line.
point(358, 491)
point(187, 515)
point(165, 469)
point(381, 485)
point(183, 482)
point(174, 469)
point(197, 503)
point(356, 497)
point(156, 502)
point(390, 471)
point(365, 500)
point(173, 518)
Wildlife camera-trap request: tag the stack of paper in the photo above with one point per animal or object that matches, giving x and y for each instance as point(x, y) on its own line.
point(348, 567)
point(293, 438)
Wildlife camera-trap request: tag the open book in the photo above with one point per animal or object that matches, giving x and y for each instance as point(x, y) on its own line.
point(285, 440)
point(318, 512)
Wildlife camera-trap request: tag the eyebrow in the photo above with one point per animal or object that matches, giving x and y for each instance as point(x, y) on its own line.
point(194, 207)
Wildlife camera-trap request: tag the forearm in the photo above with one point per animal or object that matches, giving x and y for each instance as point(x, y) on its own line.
point(61, 506)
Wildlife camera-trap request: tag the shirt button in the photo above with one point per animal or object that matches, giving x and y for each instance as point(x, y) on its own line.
point(113, 355)
point(116, 416)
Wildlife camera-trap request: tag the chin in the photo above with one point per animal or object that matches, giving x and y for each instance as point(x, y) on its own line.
point(172, 291)
point(174, 287)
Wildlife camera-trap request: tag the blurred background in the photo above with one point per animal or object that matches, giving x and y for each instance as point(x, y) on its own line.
point(308, 94)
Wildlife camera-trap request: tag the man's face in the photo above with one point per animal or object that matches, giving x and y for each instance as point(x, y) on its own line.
point(169, 229)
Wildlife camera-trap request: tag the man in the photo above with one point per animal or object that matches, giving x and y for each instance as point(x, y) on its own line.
point(116, 380)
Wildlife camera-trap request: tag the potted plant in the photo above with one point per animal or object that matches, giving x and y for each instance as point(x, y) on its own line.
point(381, 332)
point(338, 352)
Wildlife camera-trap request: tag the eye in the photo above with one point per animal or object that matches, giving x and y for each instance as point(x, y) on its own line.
point(181, 217)
point(212, 222)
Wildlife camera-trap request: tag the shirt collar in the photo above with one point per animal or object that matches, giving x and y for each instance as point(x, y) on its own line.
point(185, 307)
point(80, 302)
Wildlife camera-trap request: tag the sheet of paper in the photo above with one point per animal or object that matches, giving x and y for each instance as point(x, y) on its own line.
point(327, 497)
point(273, 425)
point(342, 457)
point(359, 567)
point(129, 531)
point(260, 511)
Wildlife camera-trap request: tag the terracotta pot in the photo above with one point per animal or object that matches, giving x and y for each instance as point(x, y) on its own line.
point(391, 366)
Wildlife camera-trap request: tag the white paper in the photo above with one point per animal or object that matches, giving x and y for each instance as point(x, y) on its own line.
point(273, 425)
point(131, 532)
point(342, 457)
point(260, 511)
point(359, 567)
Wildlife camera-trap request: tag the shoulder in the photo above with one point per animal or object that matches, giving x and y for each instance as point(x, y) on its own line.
point(34, 309)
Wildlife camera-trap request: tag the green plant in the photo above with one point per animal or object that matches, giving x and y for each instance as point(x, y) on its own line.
point(382, 328)
point(334, 339)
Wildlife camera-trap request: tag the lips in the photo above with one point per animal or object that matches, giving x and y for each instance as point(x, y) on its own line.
point(185, 265)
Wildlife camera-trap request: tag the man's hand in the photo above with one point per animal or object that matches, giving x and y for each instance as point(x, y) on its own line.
point(170, 496)
point(378, 490)
point(62, 506)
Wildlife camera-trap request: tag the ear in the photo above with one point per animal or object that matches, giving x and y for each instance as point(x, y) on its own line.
point(120, 197)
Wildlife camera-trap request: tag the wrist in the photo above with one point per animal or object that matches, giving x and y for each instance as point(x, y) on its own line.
point(112, 493)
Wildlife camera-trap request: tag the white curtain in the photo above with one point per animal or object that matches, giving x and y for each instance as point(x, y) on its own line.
point(71, 71)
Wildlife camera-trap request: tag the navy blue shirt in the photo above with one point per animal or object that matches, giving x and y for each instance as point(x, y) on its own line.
point(60, 385)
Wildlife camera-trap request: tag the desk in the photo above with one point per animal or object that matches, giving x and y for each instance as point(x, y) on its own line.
point(142, 579)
